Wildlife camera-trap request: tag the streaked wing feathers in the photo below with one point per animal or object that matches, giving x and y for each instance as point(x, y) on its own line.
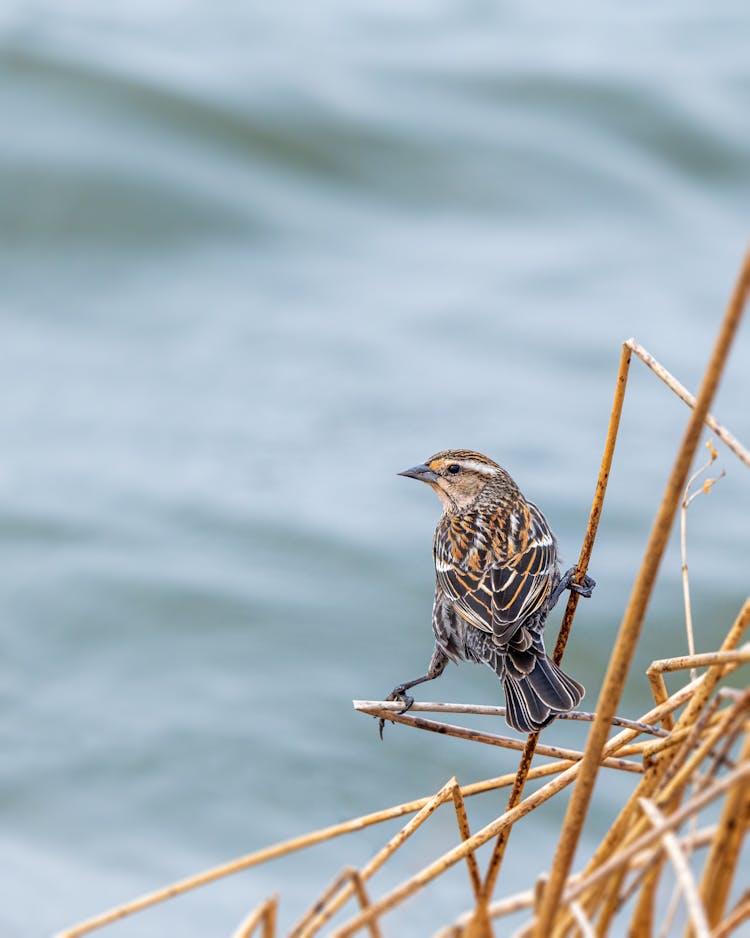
point(471, 595)
point(499, 580)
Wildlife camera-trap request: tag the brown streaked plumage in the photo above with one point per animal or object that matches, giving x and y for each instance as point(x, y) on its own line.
point(497, 577)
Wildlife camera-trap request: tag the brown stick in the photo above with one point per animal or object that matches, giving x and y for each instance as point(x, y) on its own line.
point(320, 916)
point(437, 867)
point(286, 847)
point(695, 694)
point(632, 621)
point(739, 914)
point(397, 895)
point(722, 858)
point(493, 739)
point(691, 807)
point(682, 870)
point(493, 868)
point(661, 372)
point(265, 913)
point(384, 708)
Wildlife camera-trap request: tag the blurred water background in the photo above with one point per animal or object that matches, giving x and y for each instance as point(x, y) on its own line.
point(255, 260)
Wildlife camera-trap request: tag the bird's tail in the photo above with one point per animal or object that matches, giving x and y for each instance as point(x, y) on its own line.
point(536, 691)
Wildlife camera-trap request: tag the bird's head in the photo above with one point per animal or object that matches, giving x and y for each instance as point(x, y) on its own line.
point(458, 476)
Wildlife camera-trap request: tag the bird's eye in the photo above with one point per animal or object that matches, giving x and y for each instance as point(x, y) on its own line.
point(454, 468)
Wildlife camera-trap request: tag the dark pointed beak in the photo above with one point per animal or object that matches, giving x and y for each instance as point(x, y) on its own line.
point(422, 472)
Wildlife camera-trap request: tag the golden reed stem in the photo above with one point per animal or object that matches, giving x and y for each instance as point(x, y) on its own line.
point(630, 627)
point(493, 868)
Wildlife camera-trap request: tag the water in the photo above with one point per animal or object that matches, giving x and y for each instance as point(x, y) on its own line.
point(256, 261)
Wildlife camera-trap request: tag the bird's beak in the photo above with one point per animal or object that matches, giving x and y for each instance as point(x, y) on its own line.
point(422, 472)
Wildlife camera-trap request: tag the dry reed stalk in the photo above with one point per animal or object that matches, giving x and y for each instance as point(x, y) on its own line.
point(456, 854)
point(364, 901)
point(286, 847)
point(642, 864)
point(720, 757)
point(679, 698)
point(635, 612)
point(687, 500)
point(692, 806)
point(695, 694)
point(682, 870)
point(706, 685)
point(739, 914)
point(492, 739)
point(650, 748)
point(342, 879)
point(609, 892)
point(543, 794)
point(580, 883)
point(323, 912)
point(507, 906)
point(582, 920)
point(665, 783)
point(674, 901)
point(265, 913)
point(493, 868)
point(354, 884)
point(464, 830)
point(660, 371)
point(525, 900)
point(386, 707)
point(719, 870)
point(657, 669)
point(643, 914)
point(672, 768)
point(668, 791)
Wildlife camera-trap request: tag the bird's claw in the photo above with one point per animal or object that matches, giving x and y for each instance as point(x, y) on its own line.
point(398, 693)
point(567, 582)
point(584, 589)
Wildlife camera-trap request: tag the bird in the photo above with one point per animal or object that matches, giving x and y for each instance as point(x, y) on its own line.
point(497, 576)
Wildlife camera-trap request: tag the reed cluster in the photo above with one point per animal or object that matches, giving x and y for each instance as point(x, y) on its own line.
point(688, 754)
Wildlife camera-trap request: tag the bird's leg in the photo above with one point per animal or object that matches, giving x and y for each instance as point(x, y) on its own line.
point(567, 582)
point(437, 665)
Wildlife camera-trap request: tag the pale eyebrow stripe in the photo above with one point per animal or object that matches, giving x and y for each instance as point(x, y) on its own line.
point(478, 466)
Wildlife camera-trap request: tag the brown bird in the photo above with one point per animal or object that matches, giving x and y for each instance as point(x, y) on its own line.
point(497, 577)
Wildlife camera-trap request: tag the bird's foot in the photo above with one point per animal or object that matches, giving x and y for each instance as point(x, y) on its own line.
point(584, 589)
point(567, 582)
point(398, 693)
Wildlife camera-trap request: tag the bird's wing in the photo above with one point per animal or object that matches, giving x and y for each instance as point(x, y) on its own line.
point(521, 584)
point(498, 569)
point(461, 569)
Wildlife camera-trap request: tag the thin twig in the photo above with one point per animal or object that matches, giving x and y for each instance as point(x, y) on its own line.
point(696, 803)
point(583, 716)
point(582, 920)
point(739, 914)
point(722, 860)
point(660, 371)
point(632, 621)
point(687, 500)
point(286, 847)
point(681, 869)
point(324, 912)
point(493, 868)
point(696, 694)
point(265, 913)
point(508, 818)
point(493, 739)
